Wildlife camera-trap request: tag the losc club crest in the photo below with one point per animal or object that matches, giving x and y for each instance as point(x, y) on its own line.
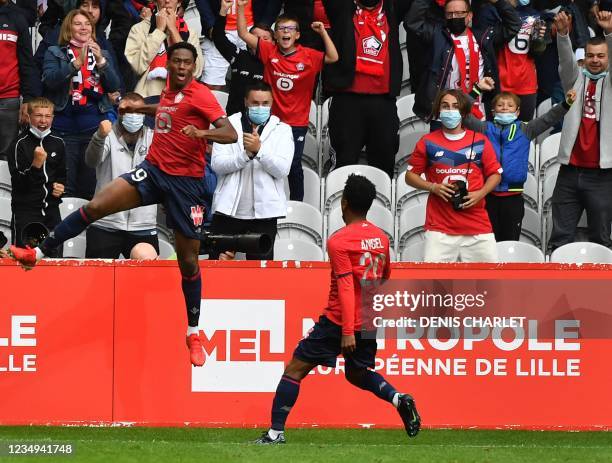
point(371, 46)
point(197, 215)
point(299, 66)
point(179, 97)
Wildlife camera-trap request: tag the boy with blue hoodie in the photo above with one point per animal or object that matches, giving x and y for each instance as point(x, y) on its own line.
point(511, 139)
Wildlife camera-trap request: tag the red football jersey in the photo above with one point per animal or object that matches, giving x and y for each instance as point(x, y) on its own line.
point(585, 152)
point(172, 151)
point(446, 161)
point(517, 71)
point(292, 79)
point(358, 252)
point(231, 23)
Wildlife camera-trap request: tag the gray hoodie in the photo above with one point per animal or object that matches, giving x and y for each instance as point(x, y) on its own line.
point(572, 77)
point(111, 157)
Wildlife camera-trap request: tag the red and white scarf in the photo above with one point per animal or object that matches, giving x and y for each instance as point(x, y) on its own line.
point(469, 70)
point(86, 80)
point(372, 40)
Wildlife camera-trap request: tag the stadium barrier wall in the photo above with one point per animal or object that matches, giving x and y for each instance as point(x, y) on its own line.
point(101, 342)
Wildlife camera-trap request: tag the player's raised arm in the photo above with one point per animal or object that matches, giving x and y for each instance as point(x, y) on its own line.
point(241, 25)
point(223, 132)
point(132, 106)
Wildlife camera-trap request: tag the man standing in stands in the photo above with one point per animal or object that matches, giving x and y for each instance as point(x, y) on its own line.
point(18, 73)
point(365, 81)
point(585, 151)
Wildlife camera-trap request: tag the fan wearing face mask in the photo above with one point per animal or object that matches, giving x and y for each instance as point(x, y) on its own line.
point(511, 138)
point(114, 150)
point(584, 182)
point(460, 169)
point(461, 55)
point(38, 172)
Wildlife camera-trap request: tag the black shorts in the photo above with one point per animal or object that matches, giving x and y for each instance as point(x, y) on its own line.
point(322, 345)
point(182, 197)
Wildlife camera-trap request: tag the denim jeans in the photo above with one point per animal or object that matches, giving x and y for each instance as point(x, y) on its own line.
point(80, 179)
point(296, 174)
point(578, 189)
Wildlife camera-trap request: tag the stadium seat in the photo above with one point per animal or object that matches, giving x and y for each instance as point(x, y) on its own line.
point(402, 37)
point(548, 188)
point(582, 253)
point(408, 140)
point(531, 231)
point(69, 205)
point(303, 222)
point(530, 193)
point(162, 229)
point(378, 215)
point(5, 217)
point(533, 158)
point(334, 184)
point(405, 88)
point(548, 153)
point(310, 157)
point(296, 250)
point(221, 97)
point(517, 251)
point(312, 119)
point(406, 196)
point(75, 247)
point(414, 251)
point(411, 223)
point(542, 109)
point(5, 180)
point(404, 109)
point(166, 250)
point(312, 188)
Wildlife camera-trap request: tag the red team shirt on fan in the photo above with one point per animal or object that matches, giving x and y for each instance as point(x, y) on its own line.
point(292, 79)
point(445, 161)
point(585, 152)
point(517, 71)
point(172, 151)
point(231, 23)
point(9, 71)
point(359, 251)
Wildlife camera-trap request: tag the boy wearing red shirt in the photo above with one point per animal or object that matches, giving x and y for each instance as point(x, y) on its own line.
point(290, 69)
point(357, 252)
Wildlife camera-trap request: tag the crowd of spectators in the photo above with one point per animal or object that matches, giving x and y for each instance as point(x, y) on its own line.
point(478, 71)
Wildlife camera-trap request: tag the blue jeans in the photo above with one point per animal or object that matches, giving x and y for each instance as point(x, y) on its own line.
point(296, 174)
point(80, 179)
point(578, 189)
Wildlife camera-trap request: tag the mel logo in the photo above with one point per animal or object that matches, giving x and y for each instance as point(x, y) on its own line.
point(244, 345)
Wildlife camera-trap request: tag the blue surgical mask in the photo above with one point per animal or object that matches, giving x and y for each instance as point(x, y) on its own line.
point(450, 118)
point(590, 75)
point(39, 133)
point(132, 122)
point(523, 2)
point(505, 118)
point(259, 114)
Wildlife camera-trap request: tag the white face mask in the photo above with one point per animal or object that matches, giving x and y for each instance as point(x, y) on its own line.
point(39, 133)
point(132, 122)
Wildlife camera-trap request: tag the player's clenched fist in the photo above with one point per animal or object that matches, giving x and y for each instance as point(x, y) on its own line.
point(318, 27)
point(105, 128)
point(40, 156)
point(192, 132)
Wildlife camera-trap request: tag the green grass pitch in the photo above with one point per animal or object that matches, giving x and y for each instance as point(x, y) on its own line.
point(139, 444)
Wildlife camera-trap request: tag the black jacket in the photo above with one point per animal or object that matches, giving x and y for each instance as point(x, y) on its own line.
point(441, 48)
point(32, 187)
point(13, 21)
point(246, 67)
point(304, 9)
point(340, 75)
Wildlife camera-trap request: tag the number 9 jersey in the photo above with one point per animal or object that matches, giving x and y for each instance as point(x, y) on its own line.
point(359, 257)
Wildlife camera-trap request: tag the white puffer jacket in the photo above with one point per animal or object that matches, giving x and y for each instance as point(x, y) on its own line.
point(271, 166)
